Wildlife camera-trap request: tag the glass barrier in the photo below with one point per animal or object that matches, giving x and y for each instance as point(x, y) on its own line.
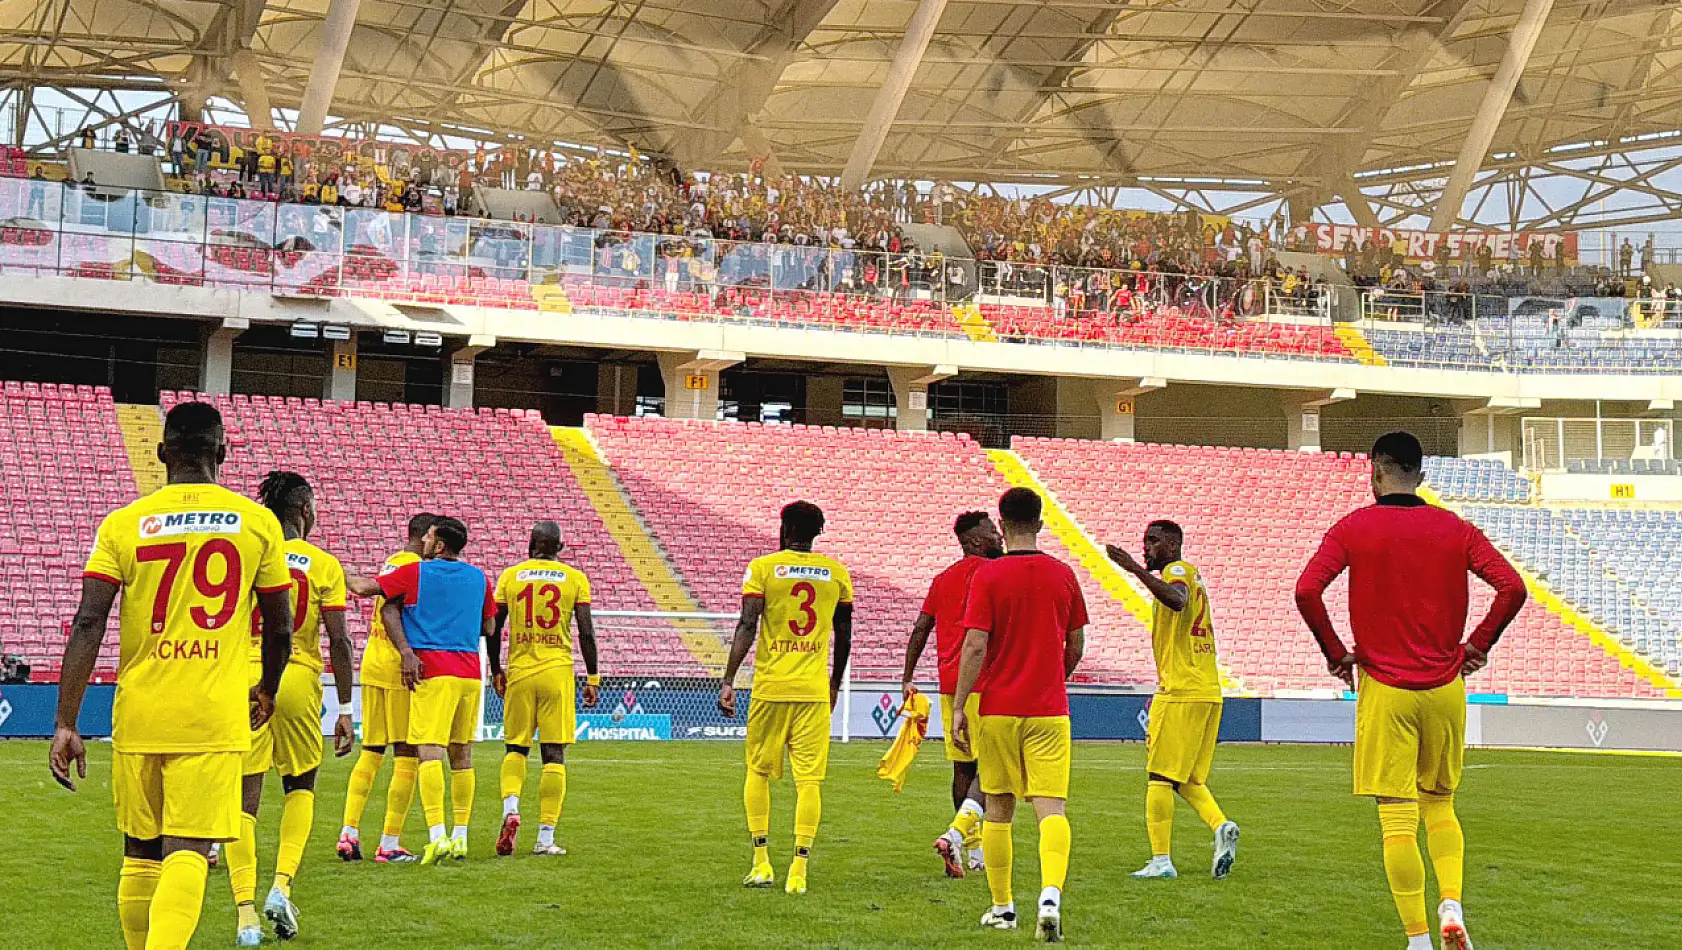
point(53, 228)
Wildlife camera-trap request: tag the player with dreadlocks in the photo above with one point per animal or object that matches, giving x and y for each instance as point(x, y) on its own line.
point(291, 742)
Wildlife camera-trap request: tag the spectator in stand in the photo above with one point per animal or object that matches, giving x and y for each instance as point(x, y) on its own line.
point(88, 138)
point(1626, 258)
point(122, 143)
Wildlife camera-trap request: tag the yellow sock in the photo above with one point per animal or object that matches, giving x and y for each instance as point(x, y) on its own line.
point(297, 816)
point(1446, 842)
point(968, 819)
point(1055, 841)
point(808, 811)
point(178, 900)
point(362, 777)
point(241, 854)
point(247, 914)
point(551, 793)
point(139, 878)
point(1159, 817)
point(462, 784)
point(401, 794)
point(1203, 802)
point(431, 781)
point(757, 797)
point(1403, 865)
point(996, 848)
point(513, 778)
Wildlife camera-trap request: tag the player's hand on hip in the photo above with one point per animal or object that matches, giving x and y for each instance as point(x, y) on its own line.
point(411, 669)
point(960, 731)
point(344, 736)
point(1476, 659)
point(727, 700)
point(262, 706)
point(67, 748)
point(1343, 669)
point(591, 694)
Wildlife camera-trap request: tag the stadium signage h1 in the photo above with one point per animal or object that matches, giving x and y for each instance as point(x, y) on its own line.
point(1424, 245)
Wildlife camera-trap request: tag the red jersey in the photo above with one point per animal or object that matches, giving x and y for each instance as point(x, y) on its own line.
point(406, 586)
point(945, 603)
point(1408, 595)
point(1028, 602)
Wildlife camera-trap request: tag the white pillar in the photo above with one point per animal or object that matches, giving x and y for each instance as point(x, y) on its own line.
point(888, 99)
point(1118, 404)
point(911, 394)
point(255, 88)
point(329, 59)
point(692, 382)
point(341, 371)
point(459, 371)
point(216, 367)
point(1490, 111)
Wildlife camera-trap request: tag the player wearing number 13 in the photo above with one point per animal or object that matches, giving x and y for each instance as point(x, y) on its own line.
point(538, 599)
point(187, 558)
point(791, 601)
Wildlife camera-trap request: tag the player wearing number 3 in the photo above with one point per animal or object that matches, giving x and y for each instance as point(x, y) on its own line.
point(538, 599)
point(791, 601)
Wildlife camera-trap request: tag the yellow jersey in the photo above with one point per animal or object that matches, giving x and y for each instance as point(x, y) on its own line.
point(540, 595)
point(1183, 642)
point(801, 591)
point(188, 559)
point(381, 664)
point(318, 587)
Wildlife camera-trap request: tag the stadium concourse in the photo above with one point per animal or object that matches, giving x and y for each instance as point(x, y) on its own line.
point(693, 496)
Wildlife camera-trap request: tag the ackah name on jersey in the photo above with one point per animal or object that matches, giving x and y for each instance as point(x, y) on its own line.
point(190, 522)
point(803, 572)
point(541, 574)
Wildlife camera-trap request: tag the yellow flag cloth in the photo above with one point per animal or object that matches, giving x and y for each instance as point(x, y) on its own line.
point(914, 727)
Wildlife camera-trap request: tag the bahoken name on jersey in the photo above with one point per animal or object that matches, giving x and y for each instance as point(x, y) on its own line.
point(190, 522)
point(803, 572)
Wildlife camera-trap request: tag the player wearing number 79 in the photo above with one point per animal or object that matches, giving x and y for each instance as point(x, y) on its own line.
point(193, 561)
point(791, 601)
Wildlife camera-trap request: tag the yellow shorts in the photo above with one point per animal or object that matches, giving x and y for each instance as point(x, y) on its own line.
point(444, 710)
point(385, 715)
point(1025, 756)
point(1180, 741)
point(544, 704)
point(290, 742)
point(1409, 741)
point(800, 728)
point(972, 709)
point(183, 795)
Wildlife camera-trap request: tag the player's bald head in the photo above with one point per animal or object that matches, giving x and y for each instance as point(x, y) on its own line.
point(545, 539)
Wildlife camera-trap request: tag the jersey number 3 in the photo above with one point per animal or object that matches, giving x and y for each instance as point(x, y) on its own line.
point(550, 617)
point(808, 617)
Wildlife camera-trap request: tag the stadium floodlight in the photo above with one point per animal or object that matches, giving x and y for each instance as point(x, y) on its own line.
point(305, 331)
point(429, 339)
point(396, 336)
point(335, 333)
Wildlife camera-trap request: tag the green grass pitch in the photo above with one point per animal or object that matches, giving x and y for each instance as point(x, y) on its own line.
point(1564, 851)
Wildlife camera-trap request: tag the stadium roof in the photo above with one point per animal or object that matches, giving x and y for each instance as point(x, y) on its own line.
point(1280, 96)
